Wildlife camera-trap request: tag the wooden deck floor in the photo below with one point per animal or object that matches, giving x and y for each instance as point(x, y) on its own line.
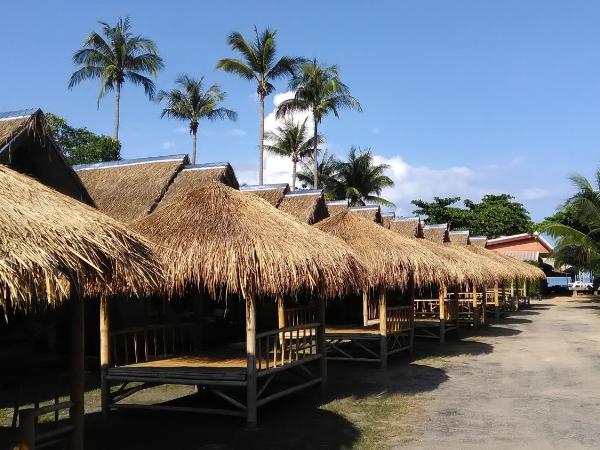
point(369, 331)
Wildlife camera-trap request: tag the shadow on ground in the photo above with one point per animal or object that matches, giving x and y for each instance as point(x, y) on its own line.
point(512, 321)
point(492, 331)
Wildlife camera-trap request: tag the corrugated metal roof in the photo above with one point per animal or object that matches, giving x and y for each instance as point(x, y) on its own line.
point(125, 162)
point(337, 202)
point(365, 207)
point(8, 115)
point(263, 187)
point(523, 255)
point(407, 219)
point(435, 225)
point(304, 192)
point(212, 165)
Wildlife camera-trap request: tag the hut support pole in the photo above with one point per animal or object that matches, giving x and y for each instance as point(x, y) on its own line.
point(365, 304)
point(496, 302)
point(104, 354)
point(503, 296)
point(475, 307)
point(77, 368)
point(411, 299)
point(281, 318)
point(457, 307)
point(442, 299)
point(382, 327)
point(251, 363)
point(322, 344)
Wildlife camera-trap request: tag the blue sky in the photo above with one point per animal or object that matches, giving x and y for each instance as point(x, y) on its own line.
point(460, 97)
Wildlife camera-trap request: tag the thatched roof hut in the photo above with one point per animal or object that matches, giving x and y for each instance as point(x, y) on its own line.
point(194, 176)
point(388, 257)
point(387, 219)
point(437, 233)
point(478, 241)
point(132, 188)
point(460, 237)
point(47, 239)
point(371, 212)
point(272, 193)
point(306, 205)
point(228, 242)
point(408, 226)
point(511, 268)
point(336, 206)
point(27, 146)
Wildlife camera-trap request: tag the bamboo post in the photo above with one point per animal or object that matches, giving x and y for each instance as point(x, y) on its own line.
point(503, 296)
point(496, 302)
point(442, 299)
point(525, 291)
point(281, 318)
point(27, 421)
point(475, 307)
point(365, 304)
point(382, 300)
point(250, 363)
point(411, 299)
point(77, 368)
point(457, 308)
point(104, 354)
point(322, 344)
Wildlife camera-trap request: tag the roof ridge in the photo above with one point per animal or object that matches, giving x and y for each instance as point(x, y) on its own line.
point(128, 162)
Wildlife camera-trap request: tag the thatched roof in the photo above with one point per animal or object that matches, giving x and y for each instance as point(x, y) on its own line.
point(336, 206)
point(436, 233)
point(307, 205)
point(272, 193)
point(47, 238)
point(460, 237)
point(387, 219)
point(388, 257)
point(130, 189)
point(371, 212)
point(194, 176)
point(512, 268)
point(27, 146)
point(228, 242)
point(407, 226)
point(478, 241)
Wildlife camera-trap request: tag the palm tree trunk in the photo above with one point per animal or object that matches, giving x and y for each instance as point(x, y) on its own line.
point(117, 104)
point(193, 161)
point(294, 175)
point(261, 138)
point(315, 162)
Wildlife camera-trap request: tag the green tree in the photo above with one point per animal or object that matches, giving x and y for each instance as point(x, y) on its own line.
point(291, 140)
point(191, 102)
point(258, 63)
point(327, 167)
point(361, 181)
point(318, 89)
point(498, 215)
point(577, 229)
point(495, 215)
point(441, 211)
point(116, 56)
point(80, 145)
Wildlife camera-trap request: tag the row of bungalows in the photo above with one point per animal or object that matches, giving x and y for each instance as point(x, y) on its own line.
point(247, 291)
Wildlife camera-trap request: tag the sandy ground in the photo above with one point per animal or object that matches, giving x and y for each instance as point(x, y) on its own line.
point(537, 387)
point(530, 381)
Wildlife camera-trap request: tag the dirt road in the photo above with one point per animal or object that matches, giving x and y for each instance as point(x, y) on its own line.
point(537, 385)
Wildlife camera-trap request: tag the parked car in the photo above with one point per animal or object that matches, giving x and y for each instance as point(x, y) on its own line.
point(580, 286)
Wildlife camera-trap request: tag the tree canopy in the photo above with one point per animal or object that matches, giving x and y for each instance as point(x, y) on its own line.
point(80, 145)
point(493, 216)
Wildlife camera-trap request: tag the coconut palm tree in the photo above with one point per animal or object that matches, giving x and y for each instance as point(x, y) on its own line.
point(292, 140)
point(192, 103)
point(327, 167)
point(362, 180)
point(578, 233)
point(318, 89)
point(115, 56)
point(258, 63)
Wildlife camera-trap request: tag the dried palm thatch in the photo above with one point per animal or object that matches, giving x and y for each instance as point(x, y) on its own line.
point(48, 239)
point(371, 212)
point(460, 237)
point(436, 233)
point(227, 242)
point(336, 206)
point(409, 226)
point(522, 270)
point(388, 257)
point(387, 219)
point(307, 205)
point(272, 193)
point(129, 189)
point(27, 146)
point(193, 177)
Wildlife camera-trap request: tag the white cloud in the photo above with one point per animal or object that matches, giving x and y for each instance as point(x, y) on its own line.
point(167, 145)
point(534, 193)
point(375, 130)
point(237, 132)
